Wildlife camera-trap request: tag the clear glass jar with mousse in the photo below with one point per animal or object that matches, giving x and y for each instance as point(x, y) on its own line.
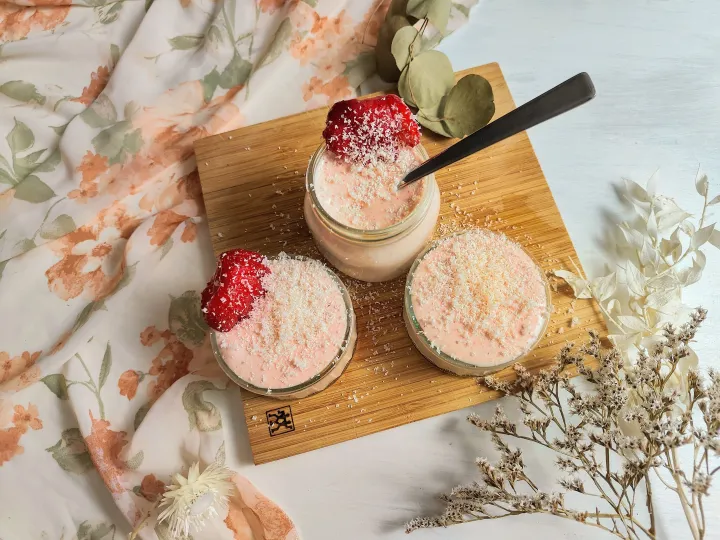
point(318, 382)
point(445, 361)
point(371, 255)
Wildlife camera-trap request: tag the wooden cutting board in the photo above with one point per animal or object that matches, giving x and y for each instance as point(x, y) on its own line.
point(253, 183)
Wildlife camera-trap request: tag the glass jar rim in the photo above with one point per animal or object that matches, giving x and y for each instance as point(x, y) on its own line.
point(349, 326)
point(408, 306)
point(366, 234)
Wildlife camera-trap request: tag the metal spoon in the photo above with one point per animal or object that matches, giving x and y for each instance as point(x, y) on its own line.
point(564, 97)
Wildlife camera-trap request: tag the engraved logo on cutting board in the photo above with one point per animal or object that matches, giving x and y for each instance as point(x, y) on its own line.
point(280, 420)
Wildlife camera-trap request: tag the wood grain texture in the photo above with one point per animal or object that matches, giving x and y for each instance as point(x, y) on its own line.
point(253, 185)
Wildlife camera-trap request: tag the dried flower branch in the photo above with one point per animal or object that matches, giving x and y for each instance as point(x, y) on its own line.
point(589, 433)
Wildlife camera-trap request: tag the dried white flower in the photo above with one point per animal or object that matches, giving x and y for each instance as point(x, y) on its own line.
point(189, 502)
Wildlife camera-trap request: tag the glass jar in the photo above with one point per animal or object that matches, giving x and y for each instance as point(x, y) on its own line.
point(317, 382)
point(446, 361)
point(371, 255)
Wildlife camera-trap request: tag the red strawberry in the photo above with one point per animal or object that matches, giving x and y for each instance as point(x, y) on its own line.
point(230, 294)
point(361, 130)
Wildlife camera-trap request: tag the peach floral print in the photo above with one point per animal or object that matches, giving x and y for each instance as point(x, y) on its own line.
point(91, 166)
point(165, 224)
point(16, 22)
point(92, 257)
point(271, 6)
point(9, 438)
point(128, 383)
point(252, 515)
point(104, 446)
point(98, 80)
point(19, 371)
point(171, 363)
point(151, 488)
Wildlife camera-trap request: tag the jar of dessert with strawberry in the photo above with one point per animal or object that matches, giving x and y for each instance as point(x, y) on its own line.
point(361, 222)
point(283, 327)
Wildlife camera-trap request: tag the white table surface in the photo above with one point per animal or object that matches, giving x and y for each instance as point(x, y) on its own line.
point(656, 66)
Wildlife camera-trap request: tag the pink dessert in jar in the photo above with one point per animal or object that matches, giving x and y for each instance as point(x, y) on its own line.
point(298, 335)
point(476, 302)
point(361, 221)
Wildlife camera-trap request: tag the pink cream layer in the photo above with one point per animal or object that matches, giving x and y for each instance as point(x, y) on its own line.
point(366, 196)
point(293, 332)
point(480, 298)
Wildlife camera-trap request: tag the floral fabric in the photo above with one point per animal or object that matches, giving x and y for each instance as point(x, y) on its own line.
point(107, 381)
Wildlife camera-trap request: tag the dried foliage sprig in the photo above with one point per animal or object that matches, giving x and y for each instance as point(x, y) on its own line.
point(586, 433)
point(426, 80)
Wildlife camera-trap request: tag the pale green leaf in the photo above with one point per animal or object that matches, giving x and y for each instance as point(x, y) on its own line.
point(105, 366)
point(404, 88)
point(58, 227)
point(128, 274)
point(114, 54)
point(185, 319)
point(101, 113)
point(202, 414)
point(20, 137)
point(384, 59)
point(26, 164)
point(235, 73)
point(278, 43)
point(71, 453)
point(462, 9)
point(714, 200)
point(23, 245)
point(6, 178)
point(140, 415)
point(401, 43)
point(469, 106)
point(436, 11)
point(50, 162)
point(22, 91)
point(360, 68)
point(166, 247)
point(429, 77)
point(432, 119)
point(215, 35)
point(209, 84)
point(57, 384)
point(652, 184)
point(135, 461)
point(33, 190)
point(186, 41)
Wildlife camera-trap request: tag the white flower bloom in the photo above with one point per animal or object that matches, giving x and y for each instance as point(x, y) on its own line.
point(190, 501)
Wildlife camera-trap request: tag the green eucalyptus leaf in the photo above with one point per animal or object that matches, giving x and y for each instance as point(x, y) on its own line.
point(400, 47)
point(431, 118)
point(57, 384)
point(209, 84)
point(429, 77)
point(469, 105)
point(404, 88)
point(33, 190)
point(436, 11)
point(398, 7)
point(386, 64)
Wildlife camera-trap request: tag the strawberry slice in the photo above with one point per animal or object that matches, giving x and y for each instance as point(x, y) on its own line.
point(230, 294)
point(361, 131)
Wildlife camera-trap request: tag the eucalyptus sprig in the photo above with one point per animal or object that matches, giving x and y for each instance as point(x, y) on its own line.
point(426, 80)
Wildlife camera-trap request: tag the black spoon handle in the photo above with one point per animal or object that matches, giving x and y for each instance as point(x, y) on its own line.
point(564, 97)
